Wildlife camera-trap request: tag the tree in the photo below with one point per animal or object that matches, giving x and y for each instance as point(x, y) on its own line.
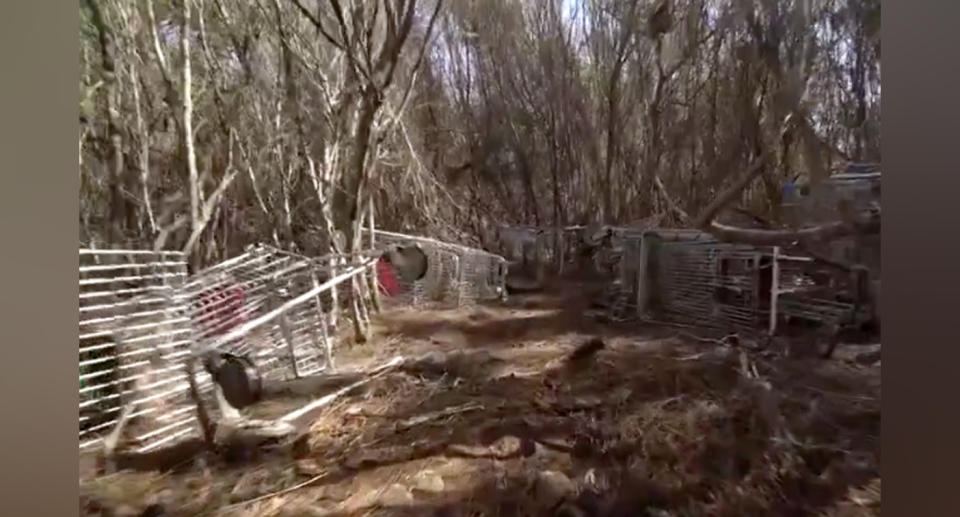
point(207, 125)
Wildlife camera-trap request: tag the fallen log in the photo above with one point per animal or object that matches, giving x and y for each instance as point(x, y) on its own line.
point(312, 385)
point(865, 224)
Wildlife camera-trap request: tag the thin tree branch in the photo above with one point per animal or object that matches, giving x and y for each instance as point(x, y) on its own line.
point(318, 24)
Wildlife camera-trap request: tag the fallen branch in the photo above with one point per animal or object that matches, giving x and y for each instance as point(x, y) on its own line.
point(726, 197)
point(768, 225)
point(728, 340)
point(323, 401)
point(867, 224)
point(239, 436)
point(310, 385)
point(671, 205)
point(715, 353)
point(766, 399)
point(113, 439)
point(165, 231)
point(434, 415)
point(457, 450)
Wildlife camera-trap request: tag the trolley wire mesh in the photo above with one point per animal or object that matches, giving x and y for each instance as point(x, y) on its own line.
point(134, 338)
point(709, 284)
point(267, 304)
point(455, 275)
point(142, 318)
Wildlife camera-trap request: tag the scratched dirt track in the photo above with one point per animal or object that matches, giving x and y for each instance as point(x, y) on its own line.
point(494, 418)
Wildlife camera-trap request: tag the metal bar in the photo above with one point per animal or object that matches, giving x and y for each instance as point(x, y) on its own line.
point(101, 373)
point(125, 316)
point(427, 240)
point(85, 251)
point(112, 306)
point(101, 281)
point(170, 438)
point(795, 258)
point(157, 432)
point(133, 353)
point(774, 289)
point(246, 327)
point(142, 412)
point(104, 346)
point(174, 391)
point(131, 265)
point(107, 333)
point(96, 294)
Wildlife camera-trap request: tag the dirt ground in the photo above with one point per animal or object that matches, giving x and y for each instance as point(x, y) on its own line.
point(496, 418)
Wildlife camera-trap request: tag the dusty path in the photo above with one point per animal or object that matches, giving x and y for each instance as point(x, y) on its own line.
point(496, 421)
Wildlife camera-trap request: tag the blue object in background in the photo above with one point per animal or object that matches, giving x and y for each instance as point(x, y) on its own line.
point(789, 191)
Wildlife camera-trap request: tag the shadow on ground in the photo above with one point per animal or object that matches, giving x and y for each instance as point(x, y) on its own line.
point(497, 420)
point(632, 431)
point(547, 315)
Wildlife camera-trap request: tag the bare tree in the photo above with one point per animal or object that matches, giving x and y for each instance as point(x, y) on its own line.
point(293, 122)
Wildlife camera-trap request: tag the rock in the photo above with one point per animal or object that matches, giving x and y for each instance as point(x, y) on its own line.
point(586, 350)
point(433, 362)
point(396, 495)
point(550, 487)
point(307, 467)
point(550, 456)
point(506, 446)
point(126, 511)
point(337, 492)
point(429, 481)
point(595, 481)
point(503, 448)
point(162, 498)
point(863, 354)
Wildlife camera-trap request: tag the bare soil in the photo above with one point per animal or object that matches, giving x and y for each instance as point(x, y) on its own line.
point(495, 419)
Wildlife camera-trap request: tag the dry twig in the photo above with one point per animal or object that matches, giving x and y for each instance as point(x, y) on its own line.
point(434, 415)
